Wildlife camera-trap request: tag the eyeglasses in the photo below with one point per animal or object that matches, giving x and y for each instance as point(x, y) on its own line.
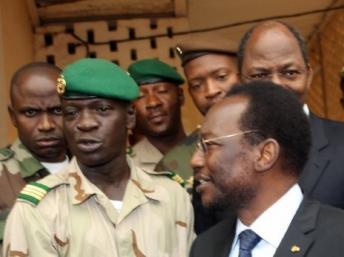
point(283, 75)
point(203, 143)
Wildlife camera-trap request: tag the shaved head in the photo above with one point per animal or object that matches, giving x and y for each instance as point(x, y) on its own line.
point(37, 68)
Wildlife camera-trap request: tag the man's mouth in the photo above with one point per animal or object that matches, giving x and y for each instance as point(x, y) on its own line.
point(202, 182)
point(88, 145)
point(48, 142)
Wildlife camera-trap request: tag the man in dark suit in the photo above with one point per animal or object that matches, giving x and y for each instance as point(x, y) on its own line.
point(253, 147)
point(275, 51)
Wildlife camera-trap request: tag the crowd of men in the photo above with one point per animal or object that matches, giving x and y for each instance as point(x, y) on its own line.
point(262, 176)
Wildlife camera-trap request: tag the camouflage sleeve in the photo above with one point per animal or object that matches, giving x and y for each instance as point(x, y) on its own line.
point(27, 234)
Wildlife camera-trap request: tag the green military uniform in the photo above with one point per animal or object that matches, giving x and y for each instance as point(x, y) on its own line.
point(18, 167)
point(66, 215)
point(178, 159)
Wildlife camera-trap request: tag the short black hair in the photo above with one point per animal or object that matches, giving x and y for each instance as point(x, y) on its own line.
point(247, 35)
point(35, 67)
point(275, 112)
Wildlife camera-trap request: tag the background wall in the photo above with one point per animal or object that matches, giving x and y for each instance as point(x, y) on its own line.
point(16, 49)
point(327, 59)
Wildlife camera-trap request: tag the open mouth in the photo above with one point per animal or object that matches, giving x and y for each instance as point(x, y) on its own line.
point(202, 183)
point(88, 145)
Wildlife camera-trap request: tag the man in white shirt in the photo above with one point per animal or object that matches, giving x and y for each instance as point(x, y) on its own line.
point(252, 149)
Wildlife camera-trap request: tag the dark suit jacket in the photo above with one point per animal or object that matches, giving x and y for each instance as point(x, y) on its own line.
point(323, 176)
point(318, 230)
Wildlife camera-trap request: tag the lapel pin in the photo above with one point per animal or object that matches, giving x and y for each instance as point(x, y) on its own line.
point(295, 249)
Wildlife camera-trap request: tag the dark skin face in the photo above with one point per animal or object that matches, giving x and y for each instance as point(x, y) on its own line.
point(158, 109)
point(225, 171)
point(96, 131)
point(210, 77)
point(36, 113)
point(272, 53)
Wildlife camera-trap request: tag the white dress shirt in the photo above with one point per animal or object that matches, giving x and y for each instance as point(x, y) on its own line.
point(271, 225)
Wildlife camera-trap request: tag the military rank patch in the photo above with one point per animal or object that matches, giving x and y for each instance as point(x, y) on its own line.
point(33, 193)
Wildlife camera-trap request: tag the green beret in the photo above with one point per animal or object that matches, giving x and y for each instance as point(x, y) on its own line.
point(192, 48)
point(150, 71)
point(89, 78)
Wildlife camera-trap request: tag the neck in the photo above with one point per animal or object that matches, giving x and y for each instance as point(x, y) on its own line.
point(111, 178)
point(166, 143)
point(265, 197)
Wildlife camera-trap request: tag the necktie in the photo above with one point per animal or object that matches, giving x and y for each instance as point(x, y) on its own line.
point(248, 240)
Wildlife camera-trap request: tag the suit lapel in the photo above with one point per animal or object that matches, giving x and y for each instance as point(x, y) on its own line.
point(299, 237)
point(319, 157)
point(224, 238)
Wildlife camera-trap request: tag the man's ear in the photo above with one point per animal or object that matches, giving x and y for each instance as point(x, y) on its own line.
point(310, 77)
point(181, 96)
point(269, 151)
point(131, 117)
point(12, 115)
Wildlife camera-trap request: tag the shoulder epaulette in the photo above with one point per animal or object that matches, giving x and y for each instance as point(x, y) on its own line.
point(170, 174)
point(33, 193)
point(5, 154)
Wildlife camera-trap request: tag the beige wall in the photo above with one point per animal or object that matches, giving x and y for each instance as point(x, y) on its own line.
point(16, 49)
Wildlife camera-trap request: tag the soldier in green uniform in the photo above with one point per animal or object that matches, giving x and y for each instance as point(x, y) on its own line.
point(35, 110)
point(101, 204)
point(210, 67)
point(158, 110)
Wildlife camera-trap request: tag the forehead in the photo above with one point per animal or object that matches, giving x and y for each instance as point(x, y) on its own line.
point(209, 63)
point(224, 117)
point(35, 86)
point(273, 46)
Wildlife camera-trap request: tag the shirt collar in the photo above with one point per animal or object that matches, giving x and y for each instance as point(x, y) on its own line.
point(139, 181)
point(267, 226)
point(146, 152)
point(306, 109)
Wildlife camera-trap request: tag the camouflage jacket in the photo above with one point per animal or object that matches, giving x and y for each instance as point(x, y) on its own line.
point(178, 159)
point(18, 167)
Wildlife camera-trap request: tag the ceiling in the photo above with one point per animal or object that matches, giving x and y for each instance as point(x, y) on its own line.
point(205, 16)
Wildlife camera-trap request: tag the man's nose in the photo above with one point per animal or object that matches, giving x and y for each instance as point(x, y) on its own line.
point(86, 121)
point(152, 101)
point(46, 123)
point(197, 160)
point(212, 90)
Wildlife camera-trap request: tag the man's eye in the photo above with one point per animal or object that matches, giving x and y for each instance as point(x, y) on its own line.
point(162, 91)
point(70, 112)
point(30, 113)
point(102, 108)
point(259, 76)
point(221, 77)
point(195, 86)
point(57, 111)
point(290, 73)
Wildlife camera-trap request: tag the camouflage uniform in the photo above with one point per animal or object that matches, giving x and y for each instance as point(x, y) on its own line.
point(18, 167)
point(178, 159)
point(66, 215)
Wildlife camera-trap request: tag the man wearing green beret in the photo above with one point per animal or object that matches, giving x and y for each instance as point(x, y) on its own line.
point(158, 110)
point(210, 67)
point(102, 204)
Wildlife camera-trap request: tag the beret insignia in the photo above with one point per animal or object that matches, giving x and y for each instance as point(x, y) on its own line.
point(61, 85)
